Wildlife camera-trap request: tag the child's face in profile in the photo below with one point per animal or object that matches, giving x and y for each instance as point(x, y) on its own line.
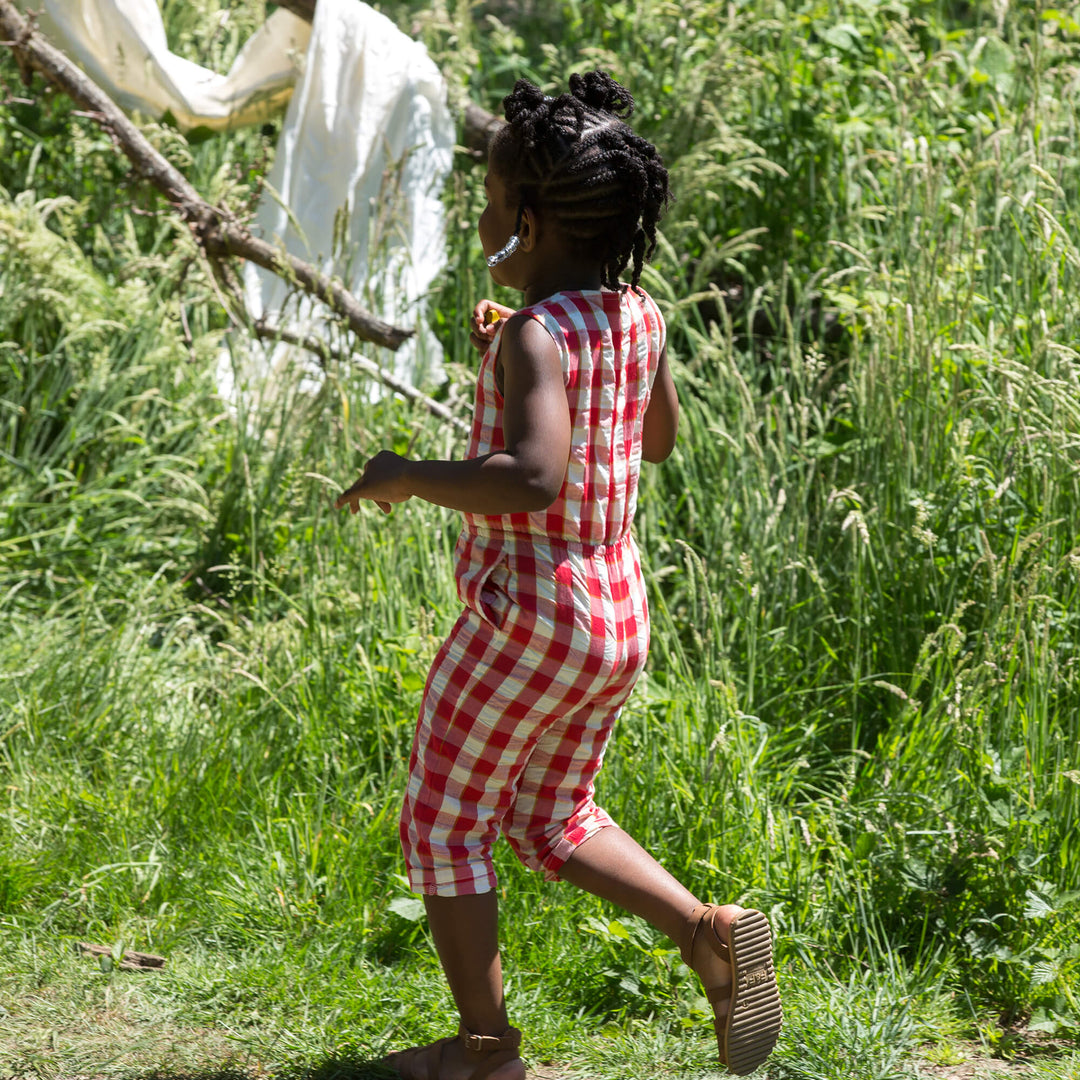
point(496, 224)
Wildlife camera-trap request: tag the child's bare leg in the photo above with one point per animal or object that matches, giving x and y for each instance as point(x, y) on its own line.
point(611, 864)
point(466, 933)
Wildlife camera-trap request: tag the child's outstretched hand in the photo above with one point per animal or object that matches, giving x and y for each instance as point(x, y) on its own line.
point(485, 321)
point(382, 481)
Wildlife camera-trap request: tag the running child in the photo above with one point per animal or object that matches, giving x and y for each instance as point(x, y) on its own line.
point(573, 392)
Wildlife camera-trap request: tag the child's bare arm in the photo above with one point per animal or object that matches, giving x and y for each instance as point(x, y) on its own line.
point(525, 476)
point(661, 423)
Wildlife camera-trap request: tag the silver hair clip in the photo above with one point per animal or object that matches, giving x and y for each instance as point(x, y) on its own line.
point(504, 253)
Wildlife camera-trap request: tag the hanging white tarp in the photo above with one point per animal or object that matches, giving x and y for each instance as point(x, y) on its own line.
point(367, 143)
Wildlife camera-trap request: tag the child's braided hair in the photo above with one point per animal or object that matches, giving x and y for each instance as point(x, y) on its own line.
point(574, 159)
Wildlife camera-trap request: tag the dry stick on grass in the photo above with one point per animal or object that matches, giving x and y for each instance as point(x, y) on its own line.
point(135, 960)
point(216, 230)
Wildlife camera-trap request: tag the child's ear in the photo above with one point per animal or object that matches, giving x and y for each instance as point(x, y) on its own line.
point(529, 230)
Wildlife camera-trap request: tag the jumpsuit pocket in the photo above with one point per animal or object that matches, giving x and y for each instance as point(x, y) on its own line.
point(493, 598)
point(484, 578)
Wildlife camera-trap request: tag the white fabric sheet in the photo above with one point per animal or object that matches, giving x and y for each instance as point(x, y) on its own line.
point(368, 134)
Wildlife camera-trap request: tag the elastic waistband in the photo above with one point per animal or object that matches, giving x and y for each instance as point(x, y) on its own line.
point(544, 541)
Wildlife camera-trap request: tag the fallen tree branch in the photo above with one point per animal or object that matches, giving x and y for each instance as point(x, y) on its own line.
point(477, 124)
point(324, 352)
point(216, 229)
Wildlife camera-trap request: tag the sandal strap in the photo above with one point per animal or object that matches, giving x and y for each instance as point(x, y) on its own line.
point(510, 1039)
point(701, 915)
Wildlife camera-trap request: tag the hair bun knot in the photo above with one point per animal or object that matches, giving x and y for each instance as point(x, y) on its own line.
point(598, 90)
point(525, 101)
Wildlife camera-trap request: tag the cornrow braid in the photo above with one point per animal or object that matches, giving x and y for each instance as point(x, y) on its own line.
point(575, 159)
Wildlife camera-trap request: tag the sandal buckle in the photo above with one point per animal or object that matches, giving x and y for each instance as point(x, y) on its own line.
point(510, 1039)
point(478, 1044)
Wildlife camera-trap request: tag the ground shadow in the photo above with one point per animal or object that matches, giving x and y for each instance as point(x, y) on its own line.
point(337, 1067)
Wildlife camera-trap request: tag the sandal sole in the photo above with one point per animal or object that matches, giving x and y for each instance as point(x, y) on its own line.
point(756, 1017)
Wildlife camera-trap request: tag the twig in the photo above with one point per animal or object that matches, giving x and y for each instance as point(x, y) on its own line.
point(324, 352)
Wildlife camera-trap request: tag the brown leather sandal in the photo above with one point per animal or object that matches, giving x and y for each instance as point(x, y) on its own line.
point(494, 1057)
point(748, 1028)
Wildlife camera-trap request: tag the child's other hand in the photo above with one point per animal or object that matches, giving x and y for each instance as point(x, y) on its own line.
point(485, 321)
point(382, 481)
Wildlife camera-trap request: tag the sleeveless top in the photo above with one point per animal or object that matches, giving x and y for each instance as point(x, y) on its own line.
point(610, 345)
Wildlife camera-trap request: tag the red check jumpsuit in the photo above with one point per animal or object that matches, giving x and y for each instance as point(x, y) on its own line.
point(523, 694)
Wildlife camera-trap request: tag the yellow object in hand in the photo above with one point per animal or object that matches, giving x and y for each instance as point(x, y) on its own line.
point(491, 317)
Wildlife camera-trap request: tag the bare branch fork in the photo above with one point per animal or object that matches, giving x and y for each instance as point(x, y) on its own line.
point(216, 230)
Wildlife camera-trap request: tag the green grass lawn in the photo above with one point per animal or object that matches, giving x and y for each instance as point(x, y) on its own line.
point(862, 709)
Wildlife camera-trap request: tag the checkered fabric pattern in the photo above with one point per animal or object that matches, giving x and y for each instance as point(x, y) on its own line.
point(610, 344)
point(522, 696)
